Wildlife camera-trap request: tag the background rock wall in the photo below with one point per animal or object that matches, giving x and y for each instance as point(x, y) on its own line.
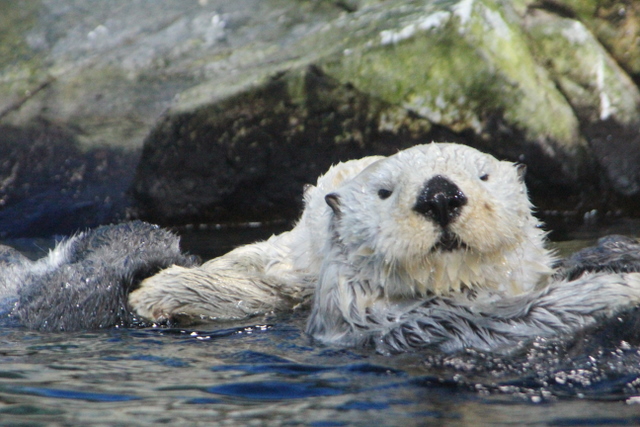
point(212, 111)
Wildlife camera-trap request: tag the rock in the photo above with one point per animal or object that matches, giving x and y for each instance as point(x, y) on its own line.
point(616, 24)
point(421, 72)
point(248, 157)
point(232, 106)
point(603, 96)
point(51, 187)
point(102, 75)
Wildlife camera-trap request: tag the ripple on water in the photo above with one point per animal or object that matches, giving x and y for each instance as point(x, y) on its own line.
point(69, 394)
point(275, 390)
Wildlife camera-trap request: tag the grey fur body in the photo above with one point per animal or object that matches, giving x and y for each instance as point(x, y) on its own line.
point(451, 324)
point(84, 282)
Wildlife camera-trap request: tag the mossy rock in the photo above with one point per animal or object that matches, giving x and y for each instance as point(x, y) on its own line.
point(236, 105)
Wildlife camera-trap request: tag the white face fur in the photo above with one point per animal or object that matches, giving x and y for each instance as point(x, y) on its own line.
point(489, 240)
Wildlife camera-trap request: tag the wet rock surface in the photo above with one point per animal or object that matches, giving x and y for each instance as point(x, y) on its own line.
point(209, 111)
point(50, 186)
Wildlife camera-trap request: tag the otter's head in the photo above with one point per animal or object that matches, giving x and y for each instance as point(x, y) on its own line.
point(440, 218)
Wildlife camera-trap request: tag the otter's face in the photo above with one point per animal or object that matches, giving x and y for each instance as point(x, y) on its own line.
point(434, 214)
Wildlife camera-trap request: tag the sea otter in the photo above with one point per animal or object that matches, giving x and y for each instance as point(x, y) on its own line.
point(435, 246)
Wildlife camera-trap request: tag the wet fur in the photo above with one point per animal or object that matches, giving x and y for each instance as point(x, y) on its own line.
point(373, 270)
point(278, 274)
point(377, 274)
point(85, 281)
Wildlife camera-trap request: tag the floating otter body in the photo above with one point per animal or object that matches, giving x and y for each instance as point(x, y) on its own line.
point(434, 246)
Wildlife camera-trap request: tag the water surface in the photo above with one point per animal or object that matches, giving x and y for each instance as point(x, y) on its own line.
point(267, 372)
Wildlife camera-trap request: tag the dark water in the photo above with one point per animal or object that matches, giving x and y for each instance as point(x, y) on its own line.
point(266, 372)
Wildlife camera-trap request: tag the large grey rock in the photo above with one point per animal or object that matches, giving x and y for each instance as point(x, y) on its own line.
point(601, 94)
point(615, 23)
point(233, 106)
point(479, 72)
point(101, 74)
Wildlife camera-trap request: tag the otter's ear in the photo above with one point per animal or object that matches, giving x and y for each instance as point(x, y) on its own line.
point(522, 171)
point(333, 200)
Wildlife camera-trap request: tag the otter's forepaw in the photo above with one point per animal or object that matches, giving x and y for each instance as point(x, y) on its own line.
point(213, 291)
point(148, 303)
point(160, 298)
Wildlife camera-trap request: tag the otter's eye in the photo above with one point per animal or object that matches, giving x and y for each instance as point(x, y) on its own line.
point(383, 193)
point(484, 177)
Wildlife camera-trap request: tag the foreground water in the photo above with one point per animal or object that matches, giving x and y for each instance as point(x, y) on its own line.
point(266, 372)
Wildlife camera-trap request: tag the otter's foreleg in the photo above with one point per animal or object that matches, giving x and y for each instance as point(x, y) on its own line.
point(251, 280)
point(561, 308)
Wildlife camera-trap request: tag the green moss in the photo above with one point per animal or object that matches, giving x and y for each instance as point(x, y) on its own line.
point(457, 73)
point(590, 79)
point(615, 23)
point(20, 65)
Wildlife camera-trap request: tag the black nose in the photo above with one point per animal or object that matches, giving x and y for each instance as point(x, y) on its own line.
point(440, 200)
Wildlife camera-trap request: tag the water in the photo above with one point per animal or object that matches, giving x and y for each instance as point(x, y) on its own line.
point(267, 372)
